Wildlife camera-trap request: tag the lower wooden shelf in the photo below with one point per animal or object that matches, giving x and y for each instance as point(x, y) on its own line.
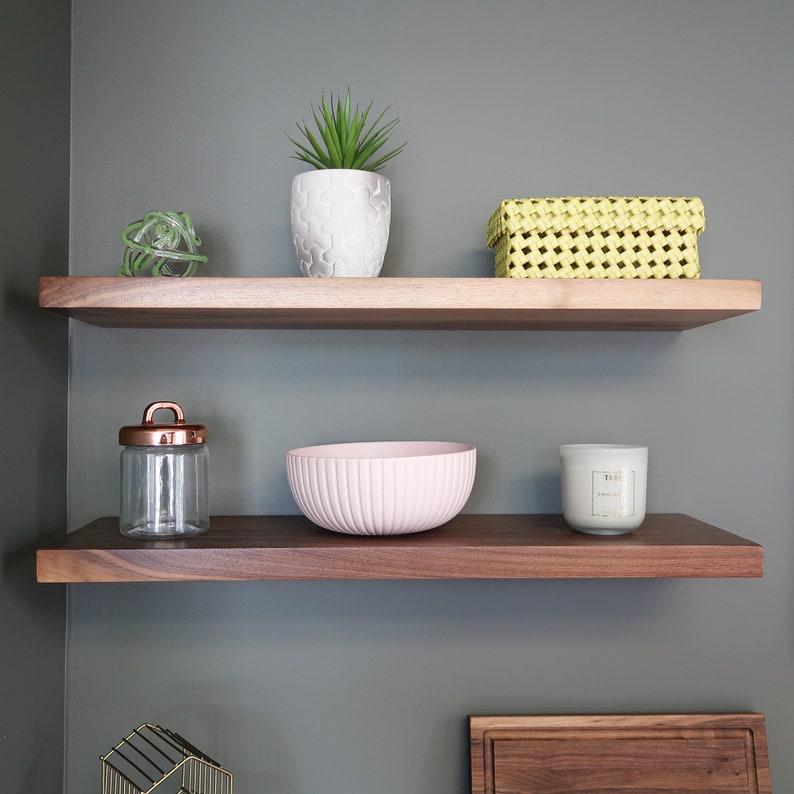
point(246, 548)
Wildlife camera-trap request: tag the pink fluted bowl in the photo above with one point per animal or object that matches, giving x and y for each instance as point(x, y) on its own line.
point(382, 487)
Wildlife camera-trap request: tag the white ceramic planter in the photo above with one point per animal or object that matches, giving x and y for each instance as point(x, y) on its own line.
point(340, 222)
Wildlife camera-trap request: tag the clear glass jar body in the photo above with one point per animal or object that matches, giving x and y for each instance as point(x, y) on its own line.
point(164, 491)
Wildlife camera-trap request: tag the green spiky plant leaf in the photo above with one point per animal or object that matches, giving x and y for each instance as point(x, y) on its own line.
point(343, 139)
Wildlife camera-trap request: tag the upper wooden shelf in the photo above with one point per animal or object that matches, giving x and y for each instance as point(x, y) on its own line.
point(409, 303)
point(239, 548)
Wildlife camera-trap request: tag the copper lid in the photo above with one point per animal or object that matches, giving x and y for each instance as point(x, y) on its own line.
point(172, 434)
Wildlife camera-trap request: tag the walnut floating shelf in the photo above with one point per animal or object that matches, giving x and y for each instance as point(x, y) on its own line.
point(399, 303)
point(240, 548)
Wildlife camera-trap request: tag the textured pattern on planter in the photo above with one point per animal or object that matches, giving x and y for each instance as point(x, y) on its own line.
point(340, 222)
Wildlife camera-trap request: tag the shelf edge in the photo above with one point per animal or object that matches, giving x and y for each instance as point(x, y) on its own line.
point(277, 548)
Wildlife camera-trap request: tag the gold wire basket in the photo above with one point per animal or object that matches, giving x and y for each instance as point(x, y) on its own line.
point(152, 758)
point(597, 237)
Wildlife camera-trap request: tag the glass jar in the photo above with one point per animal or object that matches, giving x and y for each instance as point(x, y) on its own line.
point(164, 477)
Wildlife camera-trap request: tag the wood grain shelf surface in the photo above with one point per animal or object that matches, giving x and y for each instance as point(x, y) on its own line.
point(609, 753)
point(399, 303)
point(244, 548)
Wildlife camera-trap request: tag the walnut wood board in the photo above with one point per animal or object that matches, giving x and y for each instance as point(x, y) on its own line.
point(620, 754)
point(399, 303)
point(468, 547)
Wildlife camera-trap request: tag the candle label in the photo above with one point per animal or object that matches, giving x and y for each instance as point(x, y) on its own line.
point(613, 493)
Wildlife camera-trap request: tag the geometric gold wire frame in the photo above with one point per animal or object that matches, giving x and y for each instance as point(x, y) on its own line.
point(153, 758)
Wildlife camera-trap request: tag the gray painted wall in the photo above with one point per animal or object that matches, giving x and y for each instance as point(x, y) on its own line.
point(354, 687)
point(34, 226)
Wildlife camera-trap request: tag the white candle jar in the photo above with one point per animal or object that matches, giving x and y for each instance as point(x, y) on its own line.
point(603, 487)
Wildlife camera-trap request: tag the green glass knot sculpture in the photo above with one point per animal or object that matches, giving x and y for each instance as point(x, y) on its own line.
point(166, 242)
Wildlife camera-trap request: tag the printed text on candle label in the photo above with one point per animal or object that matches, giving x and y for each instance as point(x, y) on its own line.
point(613, 493)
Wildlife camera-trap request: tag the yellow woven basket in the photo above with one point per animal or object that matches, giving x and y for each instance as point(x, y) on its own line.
point(603, 237)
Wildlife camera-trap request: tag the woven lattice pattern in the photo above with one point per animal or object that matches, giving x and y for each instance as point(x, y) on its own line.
point(602, 237)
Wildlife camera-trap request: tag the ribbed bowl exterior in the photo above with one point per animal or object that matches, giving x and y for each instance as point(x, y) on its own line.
point(382, 488)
